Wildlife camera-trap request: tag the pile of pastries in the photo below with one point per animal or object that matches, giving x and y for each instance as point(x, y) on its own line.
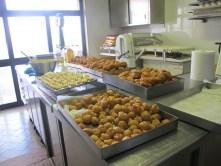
point(147, 77)
point(112, 117)
point(61, 80)
point(100, 64)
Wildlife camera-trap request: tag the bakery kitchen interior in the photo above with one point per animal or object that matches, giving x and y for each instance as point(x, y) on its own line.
point(110, 82)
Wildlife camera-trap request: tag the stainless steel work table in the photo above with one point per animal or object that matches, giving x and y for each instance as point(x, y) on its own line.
point(158, 151)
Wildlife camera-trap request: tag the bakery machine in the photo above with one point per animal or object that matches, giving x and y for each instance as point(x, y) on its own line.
point(147, 49)
point(129, 47)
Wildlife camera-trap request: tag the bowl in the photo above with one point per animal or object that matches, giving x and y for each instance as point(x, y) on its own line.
point(42, 66)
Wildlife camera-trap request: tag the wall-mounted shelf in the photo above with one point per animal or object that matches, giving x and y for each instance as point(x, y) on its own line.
point(107, 51)
point(205, 10)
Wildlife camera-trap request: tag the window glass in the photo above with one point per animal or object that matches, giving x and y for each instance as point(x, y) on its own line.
point(71, 31)
point(3, 45)
point(139, 10)
point(28, 34)
point(42, 4)
point(7, 90)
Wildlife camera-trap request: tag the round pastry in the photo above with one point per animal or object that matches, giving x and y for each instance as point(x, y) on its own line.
point(86, 118)
point(94, 120)
point(123, 124)
point(94, 138)
point(82, 125)
point(165, 121)
point(154, 109)
point(127, 132)
point(79, 120)
point(97, 132)
point(145, 125)
point(118, 130)
point(156, 116)
point(137, 131)
point(133, 122)
point(108, 141)
point(123, 116)
point(118, 137)
point(131, 115)
point(156, 122)
point(108, 125)
point(105, 136)
point(89, 131)
point(145, 115)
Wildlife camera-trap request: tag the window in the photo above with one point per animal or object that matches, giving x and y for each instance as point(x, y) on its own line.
point(30, 26)
point(3, 45)
point(28, 34)
point(139, 10)
point(7, 90)
point(71, 30)
point(42, 4)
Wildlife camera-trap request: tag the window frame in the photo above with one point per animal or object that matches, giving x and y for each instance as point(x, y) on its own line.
point(12, 61)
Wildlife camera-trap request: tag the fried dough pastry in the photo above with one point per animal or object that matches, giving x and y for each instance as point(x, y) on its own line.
point(100, 64)
point(112, 117)
point(146, 77)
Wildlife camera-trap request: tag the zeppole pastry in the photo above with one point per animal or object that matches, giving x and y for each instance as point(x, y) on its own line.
point(112, 117)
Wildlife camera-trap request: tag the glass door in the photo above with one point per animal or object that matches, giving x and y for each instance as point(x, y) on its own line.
point(30, 26)
point(8, 94)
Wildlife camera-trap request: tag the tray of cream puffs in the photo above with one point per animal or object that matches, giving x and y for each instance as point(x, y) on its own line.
point(97, 66)
point(147, 83)
point(62, 82)
point(111, 122)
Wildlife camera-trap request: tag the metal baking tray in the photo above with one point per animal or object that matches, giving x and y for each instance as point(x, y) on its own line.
point(91, 71)
point(63, 90)
point(73, 65)
point(83, 89)
point(112, 150)
point(141, 91)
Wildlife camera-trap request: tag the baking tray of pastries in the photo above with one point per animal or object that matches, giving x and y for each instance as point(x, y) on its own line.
point(63, 82)
point(147, 83)
point(97, 66)
point(79, 90)
point(72, 65)
point(111, 122)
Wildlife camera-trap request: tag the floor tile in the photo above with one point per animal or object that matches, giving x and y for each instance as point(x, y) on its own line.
point(17, 134)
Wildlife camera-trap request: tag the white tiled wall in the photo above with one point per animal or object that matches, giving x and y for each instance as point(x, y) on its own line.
point(177, 29)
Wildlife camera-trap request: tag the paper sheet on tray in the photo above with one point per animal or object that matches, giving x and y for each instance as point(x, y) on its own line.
point(72, 113)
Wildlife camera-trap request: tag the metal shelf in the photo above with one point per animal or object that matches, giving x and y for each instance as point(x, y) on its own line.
point(203, 12)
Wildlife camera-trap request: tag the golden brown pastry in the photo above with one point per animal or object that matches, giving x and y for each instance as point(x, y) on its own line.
point(146, 77)
point(104, 65)
point(112, 117)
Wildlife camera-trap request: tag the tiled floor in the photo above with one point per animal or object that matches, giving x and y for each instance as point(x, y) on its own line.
point(17, 135)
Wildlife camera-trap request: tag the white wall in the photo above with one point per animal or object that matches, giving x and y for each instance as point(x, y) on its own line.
point(97, 24)
point(177, 28)
point(202, 35)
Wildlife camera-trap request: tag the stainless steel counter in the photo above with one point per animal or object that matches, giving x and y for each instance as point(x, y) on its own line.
point(199, 117)
point(159, 151)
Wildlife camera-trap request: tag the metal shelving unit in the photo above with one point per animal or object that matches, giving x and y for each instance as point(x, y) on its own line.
point(205, 9)
point(107, 51)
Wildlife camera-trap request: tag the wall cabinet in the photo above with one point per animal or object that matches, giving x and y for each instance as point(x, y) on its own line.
point(136, 12)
